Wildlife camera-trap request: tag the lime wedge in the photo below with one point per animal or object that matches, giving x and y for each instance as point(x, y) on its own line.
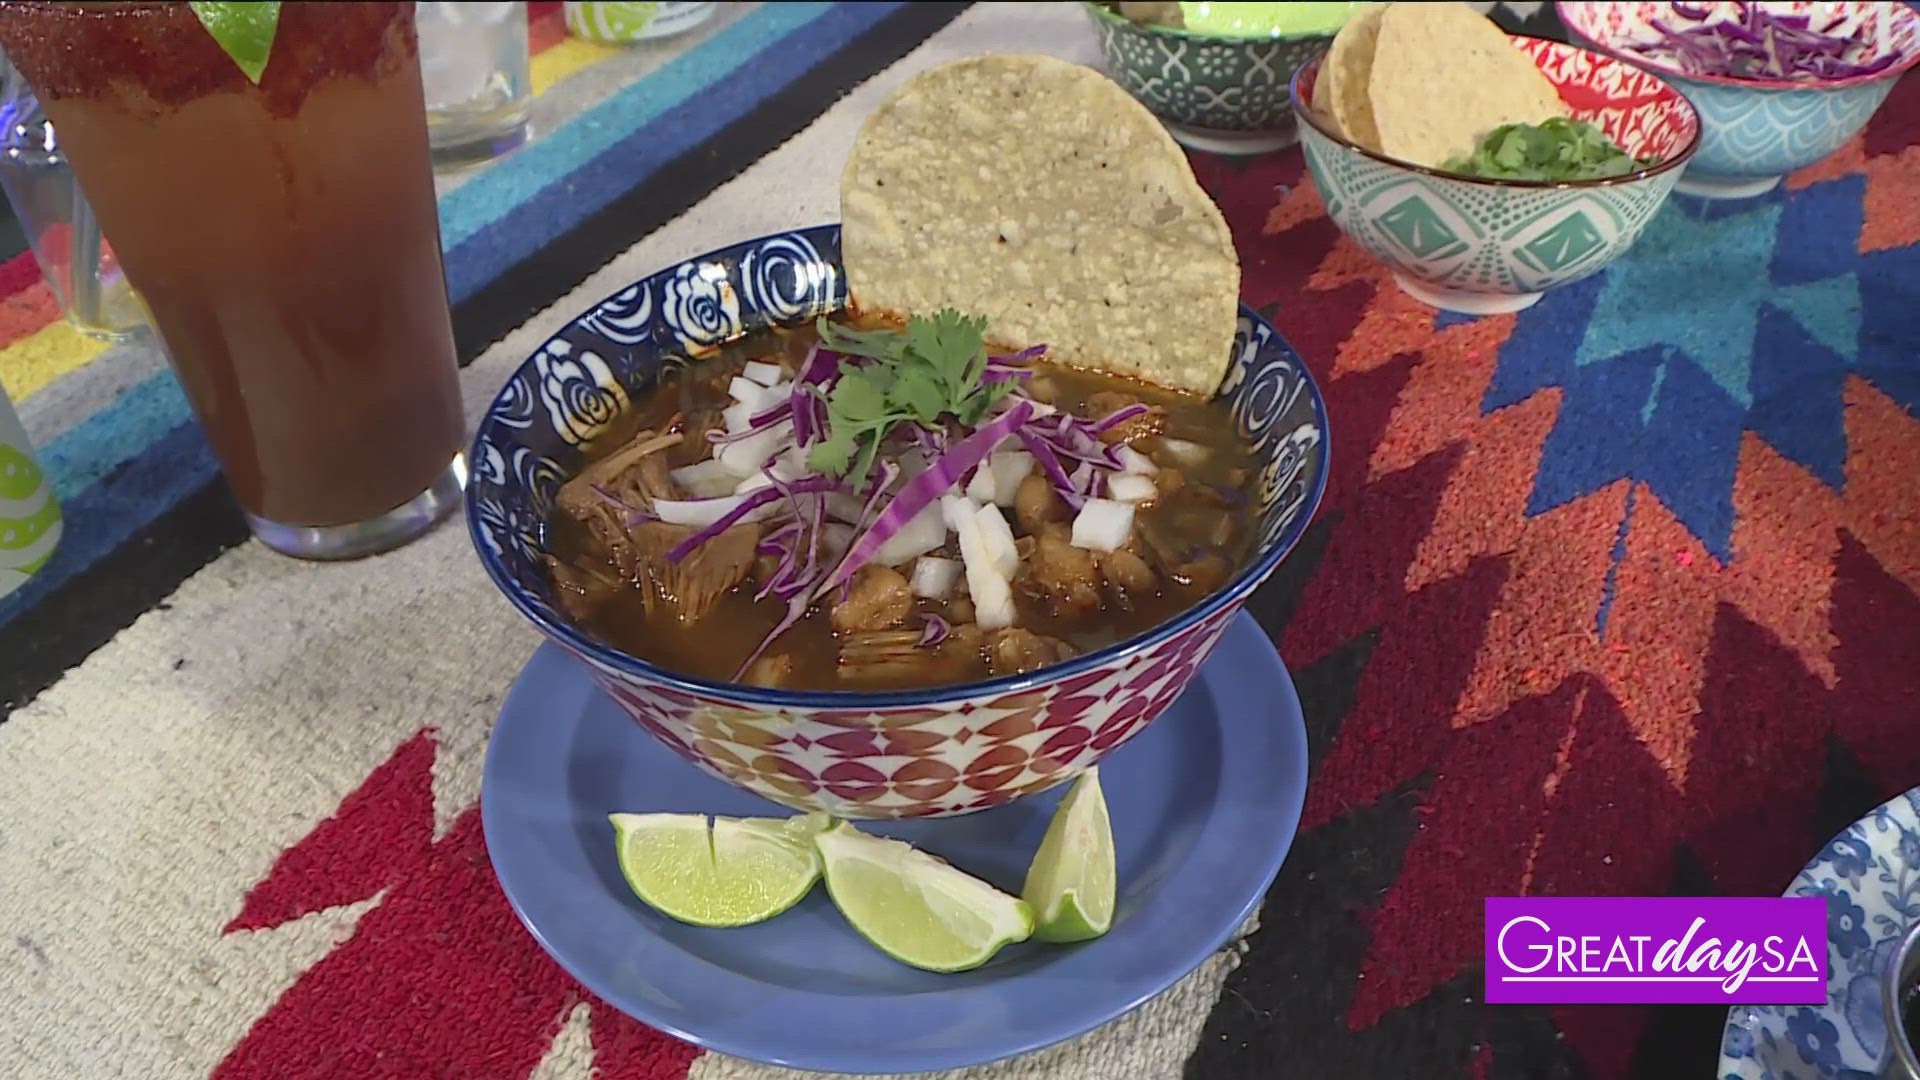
point(244, 31)
point(719, 871)
point(1071, 882)
point(916, 908)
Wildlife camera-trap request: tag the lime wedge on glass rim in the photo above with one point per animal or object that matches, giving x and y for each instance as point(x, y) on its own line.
point(718, 871)
point(244, 31)
point(915, 907)
point(1071, 882)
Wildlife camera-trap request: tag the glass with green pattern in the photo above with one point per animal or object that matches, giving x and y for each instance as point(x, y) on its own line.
point(29, 514)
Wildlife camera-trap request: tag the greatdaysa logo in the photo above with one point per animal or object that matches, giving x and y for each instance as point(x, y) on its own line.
point(1720, 950)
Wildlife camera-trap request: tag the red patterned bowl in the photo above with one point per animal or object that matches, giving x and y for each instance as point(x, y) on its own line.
point(924, 753)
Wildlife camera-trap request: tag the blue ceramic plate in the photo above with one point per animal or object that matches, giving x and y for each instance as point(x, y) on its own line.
point(1204, 803)
point(1870, 877)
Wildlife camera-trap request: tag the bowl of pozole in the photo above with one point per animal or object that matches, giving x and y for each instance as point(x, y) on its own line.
point(683, 488)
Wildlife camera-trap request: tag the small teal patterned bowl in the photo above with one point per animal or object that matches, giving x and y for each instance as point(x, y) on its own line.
point(1221, 94)
point(1483, 247)
point(1754, 132)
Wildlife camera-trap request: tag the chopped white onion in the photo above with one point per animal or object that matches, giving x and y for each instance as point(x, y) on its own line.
point(933, 576)
point(752, 394)
point(1128, 487)
point(922, 533)
point(701, 513)
point(1135, 462)
point(1009, 467)
point(753, 483)
point(747, 455)
point(998, 536)
point(738, 416)
point(1183, 451)
point(981, 488)
point(992, 595)
point(993, 605)
point(957, 508)
point(762, 372)
point(844, 507)
point(704, 479)
point(836, 538)
point(1103, 525)
point(791, 464)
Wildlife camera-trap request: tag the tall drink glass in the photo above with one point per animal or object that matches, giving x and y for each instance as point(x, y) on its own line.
point(285, 238)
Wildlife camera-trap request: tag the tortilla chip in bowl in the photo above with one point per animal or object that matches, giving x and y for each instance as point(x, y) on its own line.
point(1440, 101)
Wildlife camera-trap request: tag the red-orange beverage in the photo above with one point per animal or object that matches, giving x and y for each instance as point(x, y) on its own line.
point(285, 238)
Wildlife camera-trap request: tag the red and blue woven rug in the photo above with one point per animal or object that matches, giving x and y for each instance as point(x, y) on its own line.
point(1615, 596)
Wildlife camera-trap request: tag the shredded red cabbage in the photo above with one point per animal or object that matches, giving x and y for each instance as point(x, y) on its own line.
point(1765, 45)
point(1020, 359)
point(940, 477)
point(756, 424)
point(1117, 417)
point(1042, 452)
point(933, 631)
point(754, 499)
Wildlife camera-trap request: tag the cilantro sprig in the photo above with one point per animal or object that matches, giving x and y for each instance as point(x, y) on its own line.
point(1555, 149)
point(930, 373)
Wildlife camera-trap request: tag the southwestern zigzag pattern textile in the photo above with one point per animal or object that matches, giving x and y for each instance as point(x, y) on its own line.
point(1617, 595)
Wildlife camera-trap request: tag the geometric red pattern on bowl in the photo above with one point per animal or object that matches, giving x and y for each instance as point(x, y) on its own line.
point(968, 753)
point(1645, 116)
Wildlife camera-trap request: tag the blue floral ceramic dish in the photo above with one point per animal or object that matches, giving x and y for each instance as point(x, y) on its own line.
point(1870, 877)
point(930, 752)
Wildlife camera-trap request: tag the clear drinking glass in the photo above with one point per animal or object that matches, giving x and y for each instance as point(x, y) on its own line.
point(285, 238)
point(474, 61)
point(59, 224)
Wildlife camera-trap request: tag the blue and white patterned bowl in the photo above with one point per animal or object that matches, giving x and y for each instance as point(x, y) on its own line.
point(1870, 878)
point(919, 753)
point(1227, 95)
point(1753, 132)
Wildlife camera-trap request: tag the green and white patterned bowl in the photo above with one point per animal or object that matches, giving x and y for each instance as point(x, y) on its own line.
point(1480, 246)
point(1222, 94)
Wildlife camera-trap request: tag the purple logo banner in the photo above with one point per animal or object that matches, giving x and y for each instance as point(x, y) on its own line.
point(1716, 950)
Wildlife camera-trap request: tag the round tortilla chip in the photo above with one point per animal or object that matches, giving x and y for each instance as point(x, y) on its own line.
point(1340, 90)
point(1041, 195)
point(1444, 76)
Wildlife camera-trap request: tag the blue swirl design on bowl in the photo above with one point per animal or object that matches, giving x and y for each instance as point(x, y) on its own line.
point(578, 391)
point(530, 439)
point(1869, 876)
point(701, 304)
point(786, 280)
point(625, 318)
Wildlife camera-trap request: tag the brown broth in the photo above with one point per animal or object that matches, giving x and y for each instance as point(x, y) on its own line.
point(717, 644)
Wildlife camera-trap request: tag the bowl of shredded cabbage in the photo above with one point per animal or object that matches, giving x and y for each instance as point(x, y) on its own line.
point(1779, 84)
